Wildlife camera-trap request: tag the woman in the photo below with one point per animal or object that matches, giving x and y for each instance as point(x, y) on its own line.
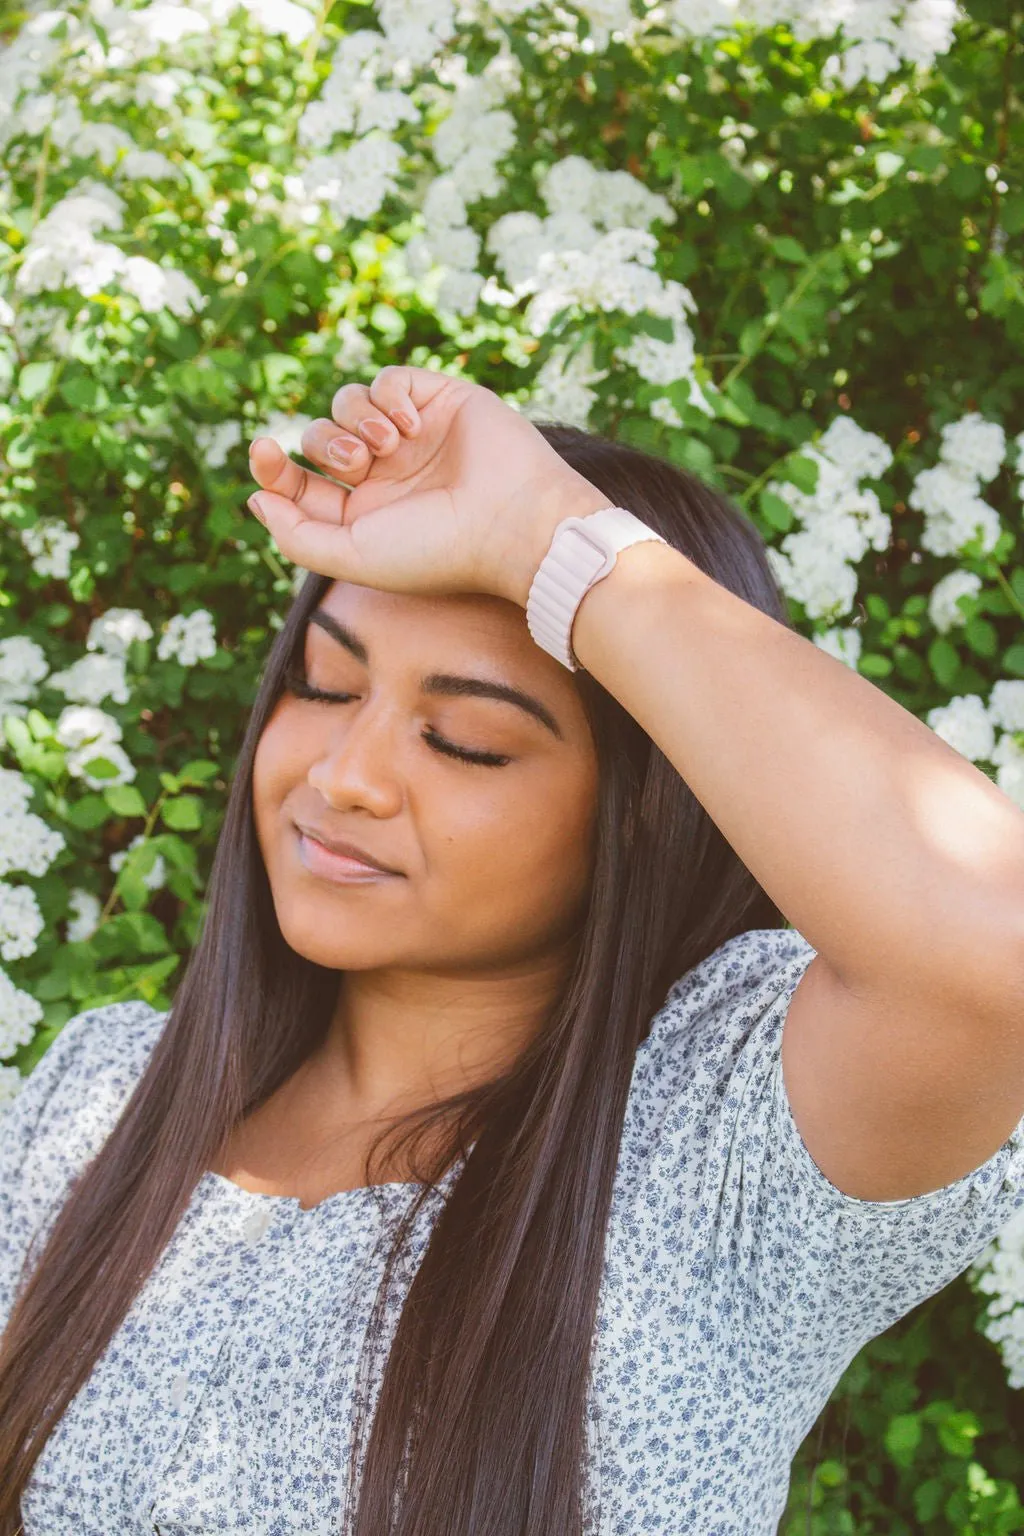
point(665, 1163)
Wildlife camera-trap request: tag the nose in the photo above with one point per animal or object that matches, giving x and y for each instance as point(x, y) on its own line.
point(357, 767)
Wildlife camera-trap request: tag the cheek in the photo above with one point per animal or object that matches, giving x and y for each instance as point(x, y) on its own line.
point(526, 854)
point(277, 766)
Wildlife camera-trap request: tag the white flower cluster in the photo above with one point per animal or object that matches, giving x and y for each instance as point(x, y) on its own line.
point(100, 674)
point(841, 521)
point(188, 638)
point(88, 733)
point(93, 678)
point(216, 441)
point(583, 202)
point(28, 845)
point(21, 921)
point(50, 542)
point(24, 63)
point(350, 99)
point(616, 273)
point(468, 145)
point(114, 631)
point(879, 35)
point(844, 642)
point(562, 387)
point(85, 915)
point(970, 725)
point(948, 494)
point(285, 429)
point(139, 34)
point(63, 252)
point(26, 842)
point(998, 1272)
point(944, 608)
point(23, 666)
point(353, 182)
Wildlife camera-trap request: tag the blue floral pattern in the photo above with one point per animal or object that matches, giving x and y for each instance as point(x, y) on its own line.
point(738, 1285)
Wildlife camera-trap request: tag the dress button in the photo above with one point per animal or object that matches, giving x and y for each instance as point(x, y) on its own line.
point(179, 1391)
point(256, 1224)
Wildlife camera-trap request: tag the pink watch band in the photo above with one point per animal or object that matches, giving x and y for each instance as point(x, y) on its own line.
point(582, 551)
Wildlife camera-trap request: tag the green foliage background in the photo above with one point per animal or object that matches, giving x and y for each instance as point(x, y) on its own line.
point(877, 269)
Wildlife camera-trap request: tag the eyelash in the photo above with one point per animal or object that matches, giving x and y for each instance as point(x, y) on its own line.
point(298, 686)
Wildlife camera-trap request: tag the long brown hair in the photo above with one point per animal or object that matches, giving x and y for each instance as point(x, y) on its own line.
point(479, 1428)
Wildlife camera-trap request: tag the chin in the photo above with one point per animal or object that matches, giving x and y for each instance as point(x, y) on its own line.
point(339, 943)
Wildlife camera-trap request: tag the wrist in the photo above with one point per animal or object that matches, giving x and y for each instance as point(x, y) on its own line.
point(568, 495)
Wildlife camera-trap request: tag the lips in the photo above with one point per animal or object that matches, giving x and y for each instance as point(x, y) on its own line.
point(345, 849)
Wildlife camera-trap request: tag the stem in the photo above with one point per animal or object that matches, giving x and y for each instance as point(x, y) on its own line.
point(274, 564)
point(228, 314)
point(40, 188)
point(115, 894)
point(765, 475)
point(770, 325)
point(996, 571)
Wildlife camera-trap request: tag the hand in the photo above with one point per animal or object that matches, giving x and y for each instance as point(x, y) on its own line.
point(449, 489)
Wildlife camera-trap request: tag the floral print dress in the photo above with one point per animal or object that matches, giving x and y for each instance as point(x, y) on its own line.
point(738, 1285)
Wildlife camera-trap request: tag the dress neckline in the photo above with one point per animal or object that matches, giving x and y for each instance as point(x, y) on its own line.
point(341, 1199)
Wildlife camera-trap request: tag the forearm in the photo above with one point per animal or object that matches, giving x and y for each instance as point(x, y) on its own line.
point(898, 859)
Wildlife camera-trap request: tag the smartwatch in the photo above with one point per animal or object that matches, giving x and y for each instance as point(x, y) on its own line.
point(582, 551)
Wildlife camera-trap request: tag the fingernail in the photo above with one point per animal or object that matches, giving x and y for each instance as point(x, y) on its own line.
point(375, 433)
point(403, 419)
point(343, 453)
point(256, 508)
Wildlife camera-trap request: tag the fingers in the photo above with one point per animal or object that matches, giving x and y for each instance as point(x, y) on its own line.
point(381, 414)
point(274, 471)
point(307, 541)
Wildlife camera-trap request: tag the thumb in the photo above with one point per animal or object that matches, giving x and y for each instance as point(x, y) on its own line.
point(327, 548)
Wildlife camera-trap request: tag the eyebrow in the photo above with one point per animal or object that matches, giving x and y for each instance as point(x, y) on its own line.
point(447, 684)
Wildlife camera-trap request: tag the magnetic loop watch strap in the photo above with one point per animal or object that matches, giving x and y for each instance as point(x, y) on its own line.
point(582, 551)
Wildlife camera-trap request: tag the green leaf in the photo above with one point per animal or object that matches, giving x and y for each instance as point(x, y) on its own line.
point(147, 932)
point(1013, 660)
point(100, 767)
point(18, 734)
point(903, 1437)
point(776, 511)
point(89, 813)
point(958, 1433)
point(199, 771)
point(981, 636)
point(34, 379)
point(965, 180)
point(125, 800)
point(184, 814)
point(944, 660)
point(872, 664)
point(84, 393)
point(801, 472)
point(788, 249)
point(750, 337)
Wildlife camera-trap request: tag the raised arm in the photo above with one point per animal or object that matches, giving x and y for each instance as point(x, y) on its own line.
point(899, 861)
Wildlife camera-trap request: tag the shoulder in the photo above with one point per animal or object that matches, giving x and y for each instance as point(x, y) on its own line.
point(715, 1006)
point(70, 1101)
point(60, 1117)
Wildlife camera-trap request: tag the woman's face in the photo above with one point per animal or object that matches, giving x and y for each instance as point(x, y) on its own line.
point(493, 861)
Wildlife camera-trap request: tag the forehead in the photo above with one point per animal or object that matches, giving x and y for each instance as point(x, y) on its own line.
point(427, 630)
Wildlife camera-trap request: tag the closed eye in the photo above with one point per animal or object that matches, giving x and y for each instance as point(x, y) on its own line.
point(296, 684)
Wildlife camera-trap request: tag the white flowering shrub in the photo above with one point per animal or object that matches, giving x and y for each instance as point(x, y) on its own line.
point(778, 243)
